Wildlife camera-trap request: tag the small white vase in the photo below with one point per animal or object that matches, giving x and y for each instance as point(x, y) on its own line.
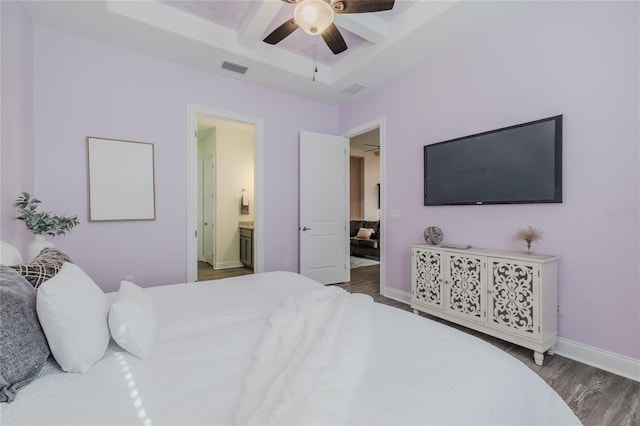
point(39, 242)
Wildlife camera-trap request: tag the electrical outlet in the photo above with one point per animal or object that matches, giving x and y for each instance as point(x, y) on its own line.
point(128, 278)
point(559, 311)
point(287, 262)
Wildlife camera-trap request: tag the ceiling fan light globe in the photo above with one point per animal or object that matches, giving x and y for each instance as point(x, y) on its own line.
point(313, 16)
point(309, 14)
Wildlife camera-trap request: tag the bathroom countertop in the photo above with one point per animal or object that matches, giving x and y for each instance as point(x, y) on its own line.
point(245, 224)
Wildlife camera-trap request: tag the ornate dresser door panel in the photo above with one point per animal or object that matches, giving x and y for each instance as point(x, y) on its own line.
point(513, 297)
point(428, 277)
point(465, 287)
point(508, 295)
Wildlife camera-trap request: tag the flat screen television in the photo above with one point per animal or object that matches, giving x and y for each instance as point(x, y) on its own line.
point(513, 165)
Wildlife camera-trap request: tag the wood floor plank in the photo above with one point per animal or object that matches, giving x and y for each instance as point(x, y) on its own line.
point(206, 272)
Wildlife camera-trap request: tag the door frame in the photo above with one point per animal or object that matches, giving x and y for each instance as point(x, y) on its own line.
point(213, 213)
point(191, 142)
point(380, 123)
point(360, 167)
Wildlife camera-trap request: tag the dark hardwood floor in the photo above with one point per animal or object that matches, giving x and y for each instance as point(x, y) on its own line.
point(206, 272)
point(597, 397)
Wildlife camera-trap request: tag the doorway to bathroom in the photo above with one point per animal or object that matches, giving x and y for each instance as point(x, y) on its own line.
point(226, 198)
point(225, 169)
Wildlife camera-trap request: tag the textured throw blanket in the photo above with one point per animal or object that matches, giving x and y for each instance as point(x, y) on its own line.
point(310, 361)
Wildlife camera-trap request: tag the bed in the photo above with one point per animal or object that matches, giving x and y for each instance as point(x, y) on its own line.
point(215, 362)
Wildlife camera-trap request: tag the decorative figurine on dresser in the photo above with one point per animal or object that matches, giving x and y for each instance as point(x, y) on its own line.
point(433, 235)
point(508, 295)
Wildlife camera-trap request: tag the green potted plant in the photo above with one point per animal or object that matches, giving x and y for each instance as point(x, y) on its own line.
point(40, 223)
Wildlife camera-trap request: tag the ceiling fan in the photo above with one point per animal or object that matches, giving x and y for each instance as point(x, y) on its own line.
point(375, 147)
point(316, 17)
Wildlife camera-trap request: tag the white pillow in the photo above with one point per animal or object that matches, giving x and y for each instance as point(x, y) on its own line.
point(73, 312)
point(9, 255)
point(132, 320)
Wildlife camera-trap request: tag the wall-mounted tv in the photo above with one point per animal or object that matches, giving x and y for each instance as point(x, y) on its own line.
point(515, 164)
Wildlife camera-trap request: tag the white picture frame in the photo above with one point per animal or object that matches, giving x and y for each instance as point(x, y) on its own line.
point(121, 180)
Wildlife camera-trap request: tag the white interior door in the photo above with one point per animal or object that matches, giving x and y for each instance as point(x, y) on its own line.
point(323, 207)
point(208, 207)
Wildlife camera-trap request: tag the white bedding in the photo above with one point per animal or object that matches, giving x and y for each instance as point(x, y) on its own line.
point(309, 363)
point(417, 371)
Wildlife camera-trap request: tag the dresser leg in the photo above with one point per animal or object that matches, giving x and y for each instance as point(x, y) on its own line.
point(552, 350)
point(538, 357)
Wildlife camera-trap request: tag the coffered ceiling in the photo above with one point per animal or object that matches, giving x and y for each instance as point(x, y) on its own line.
point(207, 33)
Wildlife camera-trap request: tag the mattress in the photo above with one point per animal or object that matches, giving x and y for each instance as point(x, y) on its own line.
point(417, 371)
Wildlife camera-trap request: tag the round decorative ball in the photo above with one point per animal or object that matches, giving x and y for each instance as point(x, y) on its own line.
point(433, 235)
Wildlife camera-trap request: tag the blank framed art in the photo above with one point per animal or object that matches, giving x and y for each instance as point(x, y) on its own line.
point(121, 180)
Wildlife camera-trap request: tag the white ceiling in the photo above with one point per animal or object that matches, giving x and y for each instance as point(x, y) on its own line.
point(204, 34)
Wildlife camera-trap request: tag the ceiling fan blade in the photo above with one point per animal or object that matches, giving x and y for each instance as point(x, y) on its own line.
point(281, 32)
point(362, 6)
point(334, 39)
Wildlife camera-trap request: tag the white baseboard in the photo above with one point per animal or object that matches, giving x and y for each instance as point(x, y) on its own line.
point(228, 264)
point(399, 295)
point(614, 363)
point(608, 361)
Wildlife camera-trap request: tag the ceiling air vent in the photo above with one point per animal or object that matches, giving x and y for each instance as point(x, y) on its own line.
point(353, 89)
point(230, 66)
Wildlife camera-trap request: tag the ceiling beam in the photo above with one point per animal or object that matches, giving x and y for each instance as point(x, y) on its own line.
point(368, 26)
point(168, 18)
point(255, 23)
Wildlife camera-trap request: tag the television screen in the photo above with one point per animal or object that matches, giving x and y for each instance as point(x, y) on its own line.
point(516, 164)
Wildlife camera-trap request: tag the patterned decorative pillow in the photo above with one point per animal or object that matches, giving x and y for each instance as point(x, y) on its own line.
point(45, 265)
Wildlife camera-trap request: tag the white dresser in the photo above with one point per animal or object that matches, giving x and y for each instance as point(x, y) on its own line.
point(509, 295)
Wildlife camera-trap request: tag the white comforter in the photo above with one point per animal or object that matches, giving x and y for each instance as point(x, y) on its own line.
point(416, 371)
point(309, 363)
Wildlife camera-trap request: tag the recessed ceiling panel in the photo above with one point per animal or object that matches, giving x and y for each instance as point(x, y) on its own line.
point(399, 7)
point(227, 13)
point(204, 34)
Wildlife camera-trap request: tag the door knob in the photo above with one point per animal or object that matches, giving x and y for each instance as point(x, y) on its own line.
point(304, 228)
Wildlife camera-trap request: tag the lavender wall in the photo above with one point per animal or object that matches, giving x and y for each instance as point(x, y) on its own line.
point(579, 59)
point(576, 59)
point(17, 118)
point(84, 88)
